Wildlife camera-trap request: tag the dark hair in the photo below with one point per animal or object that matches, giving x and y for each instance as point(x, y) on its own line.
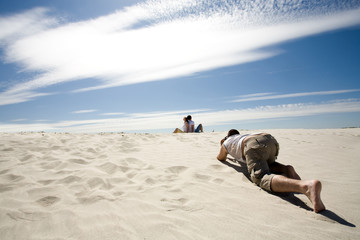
point(186, 120)
point(233, 132)
point(188, 117)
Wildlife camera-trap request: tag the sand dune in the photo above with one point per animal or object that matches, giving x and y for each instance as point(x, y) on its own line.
point(170, 186)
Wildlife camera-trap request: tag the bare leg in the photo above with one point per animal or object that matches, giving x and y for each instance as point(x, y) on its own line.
point(177, 130)
point(291, 173)
point(288, 170)
point(311, 188)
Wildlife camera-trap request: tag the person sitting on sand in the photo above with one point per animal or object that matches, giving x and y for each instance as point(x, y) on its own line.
point(260, 151)
point(185, 127)
point(199, 128)
point(189, 126)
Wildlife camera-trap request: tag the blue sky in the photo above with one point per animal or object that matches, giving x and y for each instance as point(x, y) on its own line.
point(140, 66)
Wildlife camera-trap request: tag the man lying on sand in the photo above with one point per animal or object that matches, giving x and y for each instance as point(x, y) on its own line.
point(260, 151)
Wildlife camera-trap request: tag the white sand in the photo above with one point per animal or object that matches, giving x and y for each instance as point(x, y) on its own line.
point(170, 186)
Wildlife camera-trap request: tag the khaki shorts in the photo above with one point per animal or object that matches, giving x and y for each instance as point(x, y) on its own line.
point(260, 151)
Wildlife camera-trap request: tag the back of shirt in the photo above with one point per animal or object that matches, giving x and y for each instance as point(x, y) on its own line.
point(233, 145)
point(191, 126)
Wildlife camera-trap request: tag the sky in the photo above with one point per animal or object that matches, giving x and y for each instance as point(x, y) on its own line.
point(141, 66)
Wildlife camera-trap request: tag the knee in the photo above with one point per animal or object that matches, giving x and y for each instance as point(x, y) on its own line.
point(259, 175)
point(256, 176)
point(289, 169)
point(255, 180)
point(264, 181)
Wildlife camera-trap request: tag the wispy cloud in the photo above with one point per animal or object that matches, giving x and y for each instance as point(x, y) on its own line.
point(20, 96)
point(268, 96)
point(24, 24)
point(170, 120)
point(157, 40)
point(84, 111)
point(19, 120)
point(169, 113)
point(113, 114)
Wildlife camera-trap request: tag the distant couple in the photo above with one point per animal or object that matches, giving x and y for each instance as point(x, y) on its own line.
point(189, 126)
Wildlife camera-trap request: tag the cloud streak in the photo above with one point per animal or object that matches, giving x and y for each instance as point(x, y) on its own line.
point(270, 96)
point(156, 40)
point(170, 120)
point(84, 111)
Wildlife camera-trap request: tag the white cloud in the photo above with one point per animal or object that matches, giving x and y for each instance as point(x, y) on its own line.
point(281, 111)
point(173, 119)
point(84, 111)
point(18, 97)
point(113, 114)
point(19, 120)
point(156, 40)
point(169, 113)
point(23, 24)
point(268, 96)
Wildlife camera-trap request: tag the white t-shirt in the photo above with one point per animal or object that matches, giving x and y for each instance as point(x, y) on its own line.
point(233, 145)
point(191, 123)
point(184, 128)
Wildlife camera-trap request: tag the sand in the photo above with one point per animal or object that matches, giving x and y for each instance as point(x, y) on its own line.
point(170, 186)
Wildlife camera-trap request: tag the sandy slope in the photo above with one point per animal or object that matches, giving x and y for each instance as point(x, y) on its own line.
point(170, 186)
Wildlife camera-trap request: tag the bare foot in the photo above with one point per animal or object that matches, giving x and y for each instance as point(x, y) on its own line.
point(313, 193)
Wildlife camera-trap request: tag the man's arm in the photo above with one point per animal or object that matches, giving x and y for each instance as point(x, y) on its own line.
point(222, 154)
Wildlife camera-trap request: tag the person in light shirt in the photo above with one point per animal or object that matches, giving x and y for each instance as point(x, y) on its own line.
point(259, 151)
point(189, 126)
point(184, 128)
point(192, 128)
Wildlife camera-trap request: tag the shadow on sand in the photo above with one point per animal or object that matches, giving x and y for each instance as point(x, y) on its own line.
point(289, 197)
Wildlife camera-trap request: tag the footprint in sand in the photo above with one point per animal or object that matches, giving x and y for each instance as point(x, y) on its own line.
point(5, 187)
point(218, 180)
point(176, 169)
point(70, 179)
point(91, 150)
point(132, 163)
point(13, 177)
point(51, 165)
point(201, 177)
point(97, 182)
point(109, 168)
point(216, 167)
point(8, 149)
point(94, 199)
point(4, 171)
point(46, 182)
point(26, 158)
point(28, 215)
point(128, 147)
point(180, 204)
point(48, 201)
point(78, 161)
